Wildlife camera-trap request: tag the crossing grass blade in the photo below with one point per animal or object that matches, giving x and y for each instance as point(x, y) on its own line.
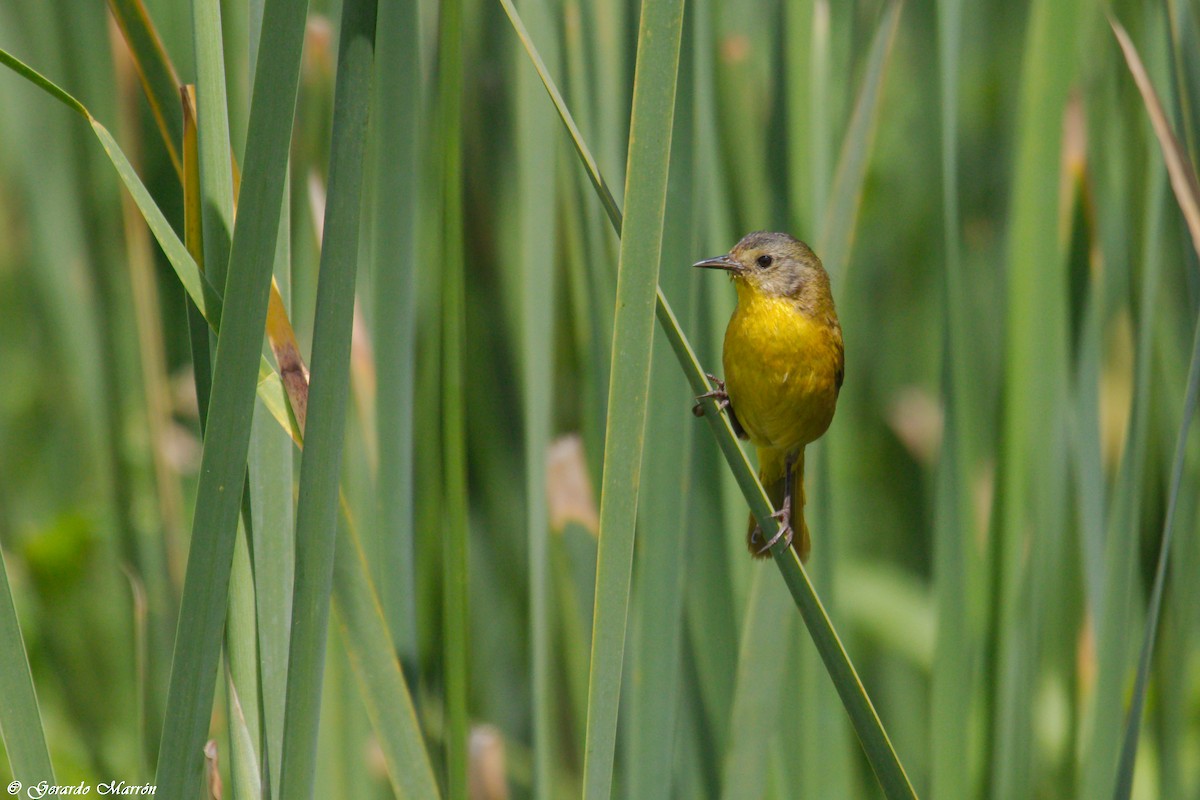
point(317, 506)
point(655, 78)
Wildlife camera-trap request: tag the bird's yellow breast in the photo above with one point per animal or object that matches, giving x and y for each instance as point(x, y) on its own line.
point(781, 370)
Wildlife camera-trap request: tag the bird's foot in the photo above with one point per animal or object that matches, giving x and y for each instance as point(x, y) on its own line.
point(784, 517)
point(718, 394)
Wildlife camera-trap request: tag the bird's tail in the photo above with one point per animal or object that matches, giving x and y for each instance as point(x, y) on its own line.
point(772, 472)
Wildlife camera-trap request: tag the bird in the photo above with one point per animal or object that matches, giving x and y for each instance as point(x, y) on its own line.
point(784, 362)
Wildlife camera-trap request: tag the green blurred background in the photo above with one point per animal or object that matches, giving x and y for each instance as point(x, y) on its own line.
point(986, 510)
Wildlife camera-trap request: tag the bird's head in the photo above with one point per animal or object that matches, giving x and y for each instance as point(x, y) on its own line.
point(776, 265)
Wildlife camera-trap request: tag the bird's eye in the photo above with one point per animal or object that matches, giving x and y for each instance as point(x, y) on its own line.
point(765, 261)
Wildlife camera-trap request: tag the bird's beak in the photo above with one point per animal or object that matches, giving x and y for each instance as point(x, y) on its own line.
point(720, 262)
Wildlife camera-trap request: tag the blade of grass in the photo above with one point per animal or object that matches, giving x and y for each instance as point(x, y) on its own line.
point(397, 118)
point(536, 158)
point(223, 464)
point(193, 237)
point(721, 583)
point(244, 771)
point(242, 668)
point(270, 470)
point(633, 334)
point(317, 506)
point(373, 659)
point(762, 662)
point(454, 467)
point(216, 177)
point(656, 643)
point(880, 753)
point(1116, 602)
point(272, 525)
point(20, 715)
point(953, 668)
point(805, 52)
point(717, 221)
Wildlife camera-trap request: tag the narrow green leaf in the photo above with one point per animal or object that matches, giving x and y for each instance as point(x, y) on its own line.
point(454, 456)
point(20, 715)
point(762, 663)
point(373, 660)
point(215, 209)
point(270, 471)
point(664, 519)
point(245, 773)
point(536, 182)
point(320, 466)
point(242, 668)
point(953, 668)
point(633, 328)
point(396, 121)
point(718, 575)
point(216, 174)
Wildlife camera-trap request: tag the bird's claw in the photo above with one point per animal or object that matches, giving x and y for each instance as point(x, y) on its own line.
point(718, 394)
point(783, 516)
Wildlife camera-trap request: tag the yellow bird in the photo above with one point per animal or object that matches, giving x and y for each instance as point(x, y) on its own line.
point(784, 364)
